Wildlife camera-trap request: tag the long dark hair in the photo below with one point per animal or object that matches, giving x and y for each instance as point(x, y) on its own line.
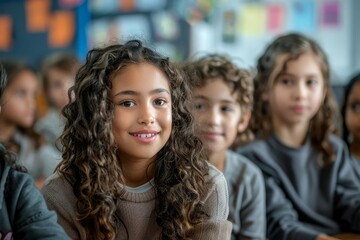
point(89, 151)
point(349, 86)
point(6, 156)
point(324, 121)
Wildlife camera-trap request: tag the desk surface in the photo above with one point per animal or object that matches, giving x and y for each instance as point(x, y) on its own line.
point(348, 236)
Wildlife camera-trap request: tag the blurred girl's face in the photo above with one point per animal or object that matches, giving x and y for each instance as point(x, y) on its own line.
point(352, 114)
point(19, 103)
point(59, 83)
point(297, 91)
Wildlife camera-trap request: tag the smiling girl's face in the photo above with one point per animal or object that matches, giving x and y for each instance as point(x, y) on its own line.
point(142, 119)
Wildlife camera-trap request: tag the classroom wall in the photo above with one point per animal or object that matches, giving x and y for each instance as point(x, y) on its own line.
point(242, 29)
point(31, 30)
point(181, 29)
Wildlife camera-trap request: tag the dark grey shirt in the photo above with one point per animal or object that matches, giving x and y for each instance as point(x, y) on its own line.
point(246, 198)
point(304, 199)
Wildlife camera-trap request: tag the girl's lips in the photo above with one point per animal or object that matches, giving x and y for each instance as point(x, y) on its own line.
point(212, 135)
point(298, 109)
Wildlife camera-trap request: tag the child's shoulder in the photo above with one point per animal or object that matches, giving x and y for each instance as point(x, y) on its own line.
point(56, 186)
point(336, 141)
point(214, 175)
point(239, 163)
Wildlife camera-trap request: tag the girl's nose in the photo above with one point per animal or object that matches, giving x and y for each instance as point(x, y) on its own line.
point(146, 116)
point(214, 117)
point(300, 91)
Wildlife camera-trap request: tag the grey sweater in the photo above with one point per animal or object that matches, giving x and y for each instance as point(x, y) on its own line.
point(304, 199)
point(246, 197)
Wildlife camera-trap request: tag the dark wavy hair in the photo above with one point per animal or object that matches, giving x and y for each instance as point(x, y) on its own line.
point(207, 68)
point(13, 69)
point(89, 150)
point(323, 123)
point(6, 156)
point(349, 86)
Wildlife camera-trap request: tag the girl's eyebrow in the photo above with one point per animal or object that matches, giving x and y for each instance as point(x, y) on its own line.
point(135, 93)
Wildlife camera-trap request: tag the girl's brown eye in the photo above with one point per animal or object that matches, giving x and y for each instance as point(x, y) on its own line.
point(355, 107)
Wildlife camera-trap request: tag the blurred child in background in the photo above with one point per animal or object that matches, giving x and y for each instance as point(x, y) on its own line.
point(311, 189)
point(351, 119)
point(23, 211)
point(132, 167)
point(16, 122)
point(222, 96)
point(58, 75)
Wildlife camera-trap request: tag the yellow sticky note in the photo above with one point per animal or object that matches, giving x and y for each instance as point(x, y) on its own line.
point(62, 29)
point(252, 20)
point(5, 32)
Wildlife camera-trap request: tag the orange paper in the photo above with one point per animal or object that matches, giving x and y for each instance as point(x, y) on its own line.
point(5, 32)
point(37, 15)
point(62, 29)
point(127, 5)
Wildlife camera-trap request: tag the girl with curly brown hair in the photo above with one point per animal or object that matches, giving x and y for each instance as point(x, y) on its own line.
point(133, 168)
point(311, 190)
point(222, 96)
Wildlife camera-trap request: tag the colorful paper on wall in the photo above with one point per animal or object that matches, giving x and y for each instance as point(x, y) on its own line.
point(229, 26)
point(165, 25)
point(127, 5)
point(252, 19)
point(102, 32)
point(62, 29)
point(303, 12)
point(5, 32)
point(37, 15)
point(330, 14)
point(275, 18)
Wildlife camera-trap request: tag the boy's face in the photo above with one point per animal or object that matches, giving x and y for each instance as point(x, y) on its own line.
point(58, 86)
point(218, 116)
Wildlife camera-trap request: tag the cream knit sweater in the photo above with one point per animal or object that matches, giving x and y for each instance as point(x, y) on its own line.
point(136, 210)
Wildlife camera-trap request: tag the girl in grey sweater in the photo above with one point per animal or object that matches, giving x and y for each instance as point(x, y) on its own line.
point(311, 189)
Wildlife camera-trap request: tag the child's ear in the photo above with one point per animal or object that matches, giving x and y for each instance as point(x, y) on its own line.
point(244, 122)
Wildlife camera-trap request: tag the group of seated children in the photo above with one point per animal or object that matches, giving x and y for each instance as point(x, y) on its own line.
point(205, 149)
point(32, 139)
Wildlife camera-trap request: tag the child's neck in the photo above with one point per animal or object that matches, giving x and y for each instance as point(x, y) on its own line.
point(293, 136)
point(218, 160)
point(355, 148)
point(137, 173)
